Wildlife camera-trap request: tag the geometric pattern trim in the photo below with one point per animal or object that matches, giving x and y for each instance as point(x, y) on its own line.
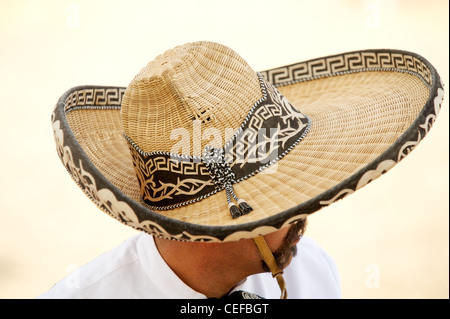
point(352, 62)
point(94, 98)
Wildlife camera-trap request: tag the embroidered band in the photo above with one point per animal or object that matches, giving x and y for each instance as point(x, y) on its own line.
point(271, 129)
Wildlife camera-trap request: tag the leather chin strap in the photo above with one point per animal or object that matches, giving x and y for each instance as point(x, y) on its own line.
point(269, 259)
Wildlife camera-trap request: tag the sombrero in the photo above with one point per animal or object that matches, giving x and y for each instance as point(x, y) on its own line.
point(200, 147)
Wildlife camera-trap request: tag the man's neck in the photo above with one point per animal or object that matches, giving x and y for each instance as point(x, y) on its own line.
point(212, 269)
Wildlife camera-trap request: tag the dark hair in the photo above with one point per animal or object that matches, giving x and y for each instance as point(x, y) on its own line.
point(287, 250)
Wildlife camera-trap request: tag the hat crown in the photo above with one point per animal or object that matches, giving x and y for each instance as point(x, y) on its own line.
point(202, 81)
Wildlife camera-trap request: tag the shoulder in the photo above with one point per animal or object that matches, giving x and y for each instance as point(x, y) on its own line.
point(313, 273)
point(311, 254)
point(101, 276)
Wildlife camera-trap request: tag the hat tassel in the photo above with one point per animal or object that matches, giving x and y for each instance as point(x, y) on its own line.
point(222, 175)
point(242, 207)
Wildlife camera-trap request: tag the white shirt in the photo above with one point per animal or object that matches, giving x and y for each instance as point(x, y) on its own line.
point(135, 269)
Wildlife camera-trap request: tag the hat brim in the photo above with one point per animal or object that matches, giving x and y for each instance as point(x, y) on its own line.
point(368, 110)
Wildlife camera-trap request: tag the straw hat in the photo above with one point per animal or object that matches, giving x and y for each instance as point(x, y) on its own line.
point(201, 147)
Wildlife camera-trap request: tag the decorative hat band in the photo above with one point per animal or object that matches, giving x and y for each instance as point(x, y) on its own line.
point(271, 129)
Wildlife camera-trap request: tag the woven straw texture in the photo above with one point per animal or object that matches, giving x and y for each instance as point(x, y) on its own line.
point(355, 118)
point(204, 81)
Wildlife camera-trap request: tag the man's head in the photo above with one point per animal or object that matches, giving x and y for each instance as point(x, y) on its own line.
point(201, 148)
point(196, 263)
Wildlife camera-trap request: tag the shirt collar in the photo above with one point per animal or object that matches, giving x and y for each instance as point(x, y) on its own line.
point(159, 272)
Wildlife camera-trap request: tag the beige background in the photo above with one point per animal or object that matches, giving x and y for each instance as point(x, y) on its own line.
point(390, 240)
